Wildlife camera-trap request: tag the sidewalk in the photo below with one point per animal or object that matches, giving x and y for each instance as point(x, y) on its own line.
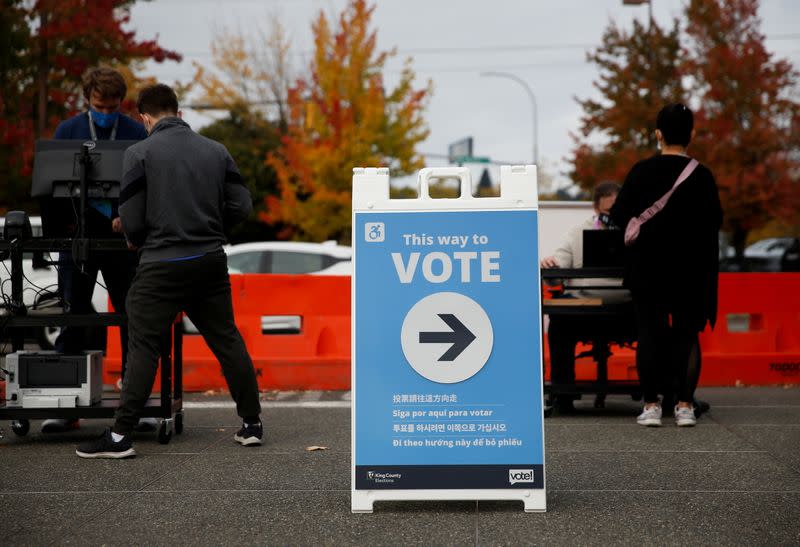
point(733, 479)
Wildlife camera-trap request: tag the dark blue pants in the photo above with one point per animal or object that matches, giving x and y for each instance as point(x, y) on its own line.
point(78, 285)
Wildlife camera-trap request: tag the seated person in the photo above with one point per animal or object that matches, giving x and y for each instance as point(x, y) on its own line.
point(565, 331)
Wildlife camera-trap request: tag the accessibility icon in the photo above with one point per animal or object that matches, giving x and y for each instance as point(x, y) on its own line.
point(374, 232)
point(447, 337)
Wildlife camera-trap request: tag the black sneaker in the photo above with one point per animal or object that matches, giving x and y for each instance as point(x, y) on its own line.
point(105, 447)
point(249, 434)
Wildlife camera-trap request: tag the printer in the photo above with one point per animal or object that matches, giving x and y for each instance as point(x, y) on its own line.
point(48, 379)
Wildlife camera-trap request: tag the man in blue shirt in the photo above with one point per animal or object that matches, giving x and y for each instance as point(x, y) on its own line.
point(104, 90)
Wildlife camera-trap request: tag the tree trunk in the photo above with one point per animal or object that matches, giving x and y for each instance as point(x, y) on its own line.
point(43, 71)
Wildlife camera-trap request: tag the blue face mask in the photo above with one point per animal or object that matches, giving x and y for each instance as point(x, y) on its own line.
point(104, 120)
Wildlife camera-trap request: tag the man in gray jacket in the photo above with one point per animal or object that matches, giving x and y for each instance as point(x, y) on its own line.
point(179, 192)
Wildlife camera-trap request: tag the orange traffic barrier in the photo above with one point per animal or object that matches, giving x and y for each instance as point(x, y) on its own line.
point(296, 328)
point(756, 341)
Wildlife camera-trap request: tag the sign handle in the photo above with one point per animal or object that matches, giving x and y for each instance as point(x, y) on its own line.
point(461, 173)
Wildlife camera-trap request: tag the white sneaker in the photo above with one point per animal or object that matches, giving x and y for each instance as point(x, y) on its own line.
point(684, 416)
point(650, 416)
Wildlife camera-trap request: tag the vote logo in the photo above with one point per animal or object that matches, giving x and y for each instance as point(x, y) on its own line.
point(447, 337)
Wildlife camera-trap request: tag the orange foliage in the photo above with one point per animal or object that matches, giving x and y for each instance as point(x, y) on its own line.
point(46, 47)
point(340, 117)
point(748, 121)
point(638, 74)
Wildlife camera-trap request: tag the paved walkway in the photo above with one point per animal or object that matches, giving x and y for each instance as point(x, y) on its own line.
point(733, 479)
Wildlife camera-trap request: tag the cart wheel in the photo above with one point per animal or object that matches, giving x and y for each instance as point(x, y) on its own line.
point(20, 427)
point(179, 423)
point(165, 432)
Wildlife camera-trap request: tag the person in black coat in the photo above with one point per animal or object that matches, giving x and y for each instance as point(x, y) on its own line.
point(672, 268)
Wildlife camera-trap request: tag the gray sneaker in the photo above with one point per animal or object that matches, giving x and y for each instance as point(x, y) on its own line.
point(684, 416)
point(650, 417)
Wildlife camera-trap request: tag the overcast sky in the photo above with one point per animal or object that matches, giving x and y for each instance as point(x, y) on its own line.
point(542, 42)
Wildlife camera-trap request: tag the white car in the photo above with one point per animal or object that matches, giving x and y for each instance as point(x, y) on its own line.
point(290, 257)
point(765, 255)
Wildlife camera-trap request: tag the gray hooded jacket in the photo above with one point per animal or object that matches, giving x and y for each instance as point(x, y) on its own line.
point(180, 191)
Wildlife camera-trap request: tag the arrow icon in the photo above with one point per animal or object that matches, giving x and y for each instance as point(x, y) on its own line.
point(460, 336)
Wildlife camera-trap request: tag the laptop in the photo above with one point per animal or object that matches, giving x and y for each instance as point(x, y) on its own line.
point(603, 249)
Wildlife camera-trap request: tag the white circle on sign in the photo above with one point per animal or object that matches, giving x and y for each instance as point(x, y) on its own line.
point(447, 337)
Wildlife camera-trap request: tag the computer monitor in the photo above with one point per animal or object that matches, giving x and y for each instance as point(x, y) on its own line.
point(603, 248)
point(57, 181)
point(56, 168)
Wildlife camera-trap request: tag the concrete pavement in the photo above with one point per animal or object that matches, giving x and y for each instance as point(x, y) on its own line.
point(733, 479)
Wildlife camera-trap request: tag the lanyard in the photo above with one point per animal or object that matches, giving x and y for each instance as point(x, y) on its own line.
point(93, 133)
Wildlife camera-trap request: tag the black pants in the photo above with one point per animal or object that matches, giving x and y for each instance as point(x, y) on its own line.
point(668, 353)
point(202, 289)
point(565, 331)
point(77, 286)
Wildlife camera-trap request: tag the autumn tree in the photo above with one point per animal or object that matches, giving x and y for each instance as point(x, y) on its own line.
point(46, 47)
point(639, 72)
point(341, 116)
point(16, 132)
point(748, 120)
point(249, 140)
point(248, 81)
point(250, 76)
point(746, 112)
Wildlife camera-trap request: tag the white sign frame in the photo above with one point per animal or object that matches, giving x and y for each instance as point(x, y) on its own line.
point(518, 186)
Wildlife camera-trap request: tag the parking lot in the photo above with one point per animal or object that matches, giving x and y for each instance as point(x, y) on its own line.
point(733, 479)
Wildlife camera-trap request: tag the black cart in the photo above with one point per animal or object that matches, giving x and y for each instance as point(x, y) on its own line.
point(168, 406)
